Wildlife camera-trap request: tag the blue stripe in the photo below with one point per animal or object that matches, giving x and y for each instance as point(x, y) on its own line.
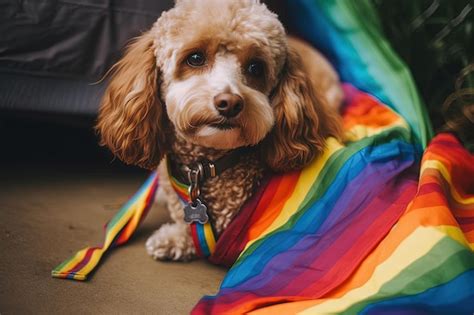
point(453, 297)
point(70, 275)
point(200, 232)
point(202, 239)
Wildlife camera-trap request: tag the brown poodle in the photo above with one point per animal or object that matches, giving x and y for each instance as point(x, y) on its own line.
point(210, 78)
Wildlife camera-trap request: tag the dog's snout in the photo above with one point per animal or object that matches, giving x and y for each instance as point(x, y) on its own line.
point(228, 104)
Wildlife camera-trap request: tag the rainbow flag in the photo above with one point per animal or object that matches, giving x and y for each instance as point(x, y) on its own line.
point(360, 230)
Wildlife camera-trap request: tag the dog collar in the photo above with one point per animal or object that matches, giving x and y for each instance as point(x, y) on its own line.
point(187, 186)
point(203, 235)
point(205, 168)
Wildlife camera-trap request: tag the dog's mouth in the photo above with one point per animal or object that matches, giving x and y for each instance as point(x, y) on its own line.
point(223, 125)
point(218, 134)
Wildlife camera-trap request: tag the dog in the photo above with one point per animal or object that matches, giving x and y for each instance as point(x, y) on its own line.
point(217, 80)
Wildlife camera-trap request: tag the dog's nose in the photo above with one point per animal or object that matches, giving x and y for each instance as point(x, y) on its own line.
point(228, 104)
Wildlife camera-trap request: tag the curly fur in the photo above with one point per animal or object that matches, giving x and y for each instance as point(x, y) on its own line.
point(157, 105)
point(131, 113)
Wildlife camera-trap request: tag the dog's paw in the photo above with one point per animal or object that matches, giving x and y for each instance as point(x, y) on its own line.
point(171, 242)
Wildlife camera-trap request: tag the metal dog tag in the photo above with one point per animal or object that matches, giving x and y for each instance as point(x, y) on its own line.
point(195, 212)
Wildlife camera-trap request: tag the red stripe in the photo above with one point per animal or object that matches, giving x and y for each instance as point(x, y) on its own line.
point(84, 260)
point(183, 196)
point(226, 252)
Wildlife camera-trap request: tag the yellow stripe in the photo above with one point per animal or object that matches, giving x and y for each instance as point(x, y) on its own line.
point(78, 257)
point(79, 277)
point(456, 234)
point(359, 131)
point(96, 255)
point(307, 178)
point(415, 246)
point(209, 235)
point(439, 166)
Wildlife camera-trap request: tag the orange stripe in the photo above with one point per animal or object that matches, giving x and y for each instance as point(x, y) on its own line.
point(138, 214)
point(432, 176)
point(182, 192)
point(131, 225)
point(368, 112)
point(285, 188)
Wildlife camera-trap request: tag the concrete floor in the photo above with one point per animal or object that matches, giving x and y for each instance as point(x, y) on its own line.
point(56, 202)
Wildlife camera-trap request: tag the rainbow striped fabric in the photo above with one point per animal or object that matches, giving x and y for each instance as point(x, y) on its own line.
point(117, 232)
point(360, 230)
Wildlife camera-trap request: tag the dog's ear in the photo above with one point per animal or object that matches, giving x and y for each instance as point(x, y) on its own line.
point(302, 120)
point(131, 118)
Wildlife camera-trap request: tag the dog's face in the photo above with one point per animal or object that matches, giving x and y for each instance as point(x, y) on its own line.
point(218, 73)
point(219, 62)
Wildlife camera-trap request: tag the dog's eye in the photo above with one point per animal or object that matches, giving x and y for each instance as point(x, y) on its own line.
point(256, 68)
point(196, 59)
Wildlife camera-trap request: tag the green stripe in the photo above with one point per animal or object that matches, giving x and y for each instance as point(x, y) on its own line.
point(61, 266)
point(387, 69)
point(444, 262)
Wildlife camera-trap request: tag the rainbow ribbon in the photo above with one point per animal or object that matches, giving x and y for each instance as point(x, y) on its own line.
point(117, 232)
point(124, 223)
